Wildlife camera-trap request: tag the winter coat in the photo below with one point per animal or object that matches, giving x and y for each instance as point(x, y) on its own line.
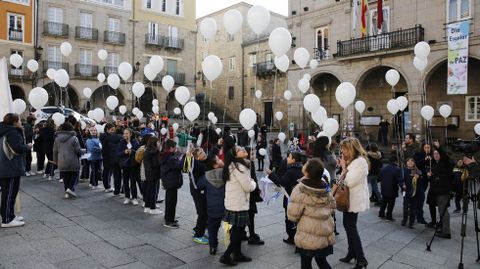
point(409, 151)
point(14, 167)
point(94, 147)
point(214, 187)
point(390, 179)
point(276, 155)
point(151, 164)
point(412, 179)
point(67, 151)
point(311, 207)
point(356, 181)
point(442, 180)
point(127, 160)
point(238, 188)
point(199, 169)
point(183, 139)
point(171, 170)
point(375, 159)
point(46, 139)
point(242, 138)
point(289, 180)
point(110, 144)
point(28, 130)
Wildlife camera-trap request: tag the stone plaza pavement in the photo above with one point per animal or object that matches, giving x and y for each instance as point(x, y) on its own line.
point(98, 231)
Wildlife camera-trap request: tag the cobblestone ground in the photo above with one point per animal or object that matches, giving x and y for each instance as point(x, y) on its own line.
point(98, 231)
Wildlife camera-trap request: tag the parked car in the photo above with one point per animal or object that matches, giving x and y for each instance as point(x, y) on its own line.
point(44, 113)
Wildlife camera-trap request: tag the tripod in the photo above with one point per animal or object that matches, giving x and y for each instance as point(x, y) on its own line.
point(469, 194)
point(429, 244)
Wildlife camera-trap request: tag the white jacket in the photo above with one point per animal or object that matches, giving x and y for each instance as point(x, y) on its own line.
point(238, 188)
point(356, 181)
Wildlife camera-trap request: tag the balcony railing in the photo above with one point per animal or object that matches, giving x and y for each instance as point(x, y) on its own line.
point(107, 70)
point(86, 71)
point(154, 40)
point(117, 38)
point(15, 35)
point(55, 65)
point(179, 78)
point(399, 39)
point(264, 68)
point(55, 29)
point(19, 73)
point(173, 43)
point(321, 53)
point(86, 33)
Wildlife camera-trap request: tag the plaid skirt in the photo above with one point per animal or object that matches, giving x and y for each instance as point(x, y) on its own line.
point(236, 218)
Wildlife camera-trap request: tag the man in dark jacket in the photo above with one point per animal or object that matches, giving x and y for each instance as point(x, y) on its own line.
point(171, 168)
point(390, 178)
point(195, 133)
point(110, 142)
point(242, 136)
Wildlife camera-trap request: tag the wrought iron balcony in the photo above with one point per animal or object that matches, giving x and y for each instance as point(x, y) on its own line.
point(86, 33)
point(116, 38)
point(264, 69)
point(55, 29)
point(179, 78)
point(399, 39)
point(55, 65)
point(15, 35)
point(107, 70)
point(173, 43)
point(19, 73)
point(154, 40)
point(86, 71)
point(321, 53)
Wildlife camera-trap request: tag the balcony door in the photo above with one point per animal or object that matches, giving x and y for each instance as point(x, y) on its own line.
point(15, 27)
point(85, 62)
point(153, 33)
point(172, 67)
point(54, 57)
point(172, 36)
point(86, 24)
point(13, 70)
point(55, 19)
point(321, 43)
point(113, 29)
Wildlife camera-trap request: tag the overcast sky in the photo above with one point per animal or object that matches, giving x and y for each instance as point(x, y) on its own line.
point(205, 7)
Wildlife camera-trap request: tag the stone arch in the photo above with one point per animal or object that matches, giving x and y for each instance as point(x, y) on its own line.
point(101, 94)
point(57, 96)
point(365, 72)
point(144, 103)
point(17, 92)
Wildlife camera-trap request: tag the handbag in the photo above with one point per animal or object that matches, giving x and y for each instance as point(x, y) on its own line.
point(341, 193)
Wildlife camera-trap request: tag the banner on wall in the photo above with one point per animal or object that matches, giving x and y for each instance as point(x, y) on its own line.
point(457, 57)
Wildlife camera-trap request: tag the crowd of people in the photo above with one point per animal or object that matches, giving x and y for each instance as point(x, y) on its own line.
point(137, 159)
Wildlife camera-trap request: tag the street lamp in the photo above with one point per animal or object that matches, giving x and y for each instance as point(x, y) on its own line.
point(135, 70)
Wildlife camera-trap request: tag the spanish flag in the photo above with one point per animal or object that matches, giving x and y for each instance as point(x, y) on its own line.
point(364, 17)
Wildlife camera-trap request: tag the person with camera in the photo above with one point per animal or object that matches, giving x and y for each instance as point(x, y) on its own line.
point(473, 169)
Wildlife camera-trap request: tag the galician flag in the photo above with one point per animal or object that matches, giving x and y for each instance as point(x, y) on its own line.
point(364, 17)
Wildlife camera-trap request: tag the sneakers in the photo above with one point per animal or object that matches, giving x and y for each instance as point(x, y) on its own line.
point(134, 202)
point(27, 174)
point(60, 180)
point(70, 192)
point(108, 190)
point(19, 218)
point(39, 172)
point(146, 210)
point(155, 211)
point(49, 178)
point(171, 225)
point(90, 185)
point(13, 223)
point(200, 240)
point(126, 201)
point(44, 175)
point(67, 196)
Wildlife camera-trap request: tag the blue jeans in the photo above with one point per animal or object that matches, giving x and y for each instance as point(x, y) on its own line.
point(374, 185)
point(213, 226)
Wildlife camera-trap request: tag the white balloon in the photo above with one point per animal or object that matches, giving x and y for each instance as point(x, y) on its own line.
point(445, 110)
point(422, 49)
point(311, 102)
point(212, 67)
point(19, 106)
point(258, 94)
point(16, 60)
point(102, 54)
point(330, 126)
point(392, 76)
point(313, 63)
point(66, 49)
point(155, 109)
point(168, 82)
point(248, 118)
point(392, 106)
point(175, 126)
point(149, 73)
point(61, 78)
point(280, 41)
point(420, 64)
point(154, 102)
point(427, 112)
point(38, 97)
point(287, 95)
point(156, 63)
point(360, 106)
point(208, 28)
point(279, 115)
point(51, 73)
point(303, 85)
point(91, 114)
point(232, 21)
point(99, 114)
point(32, 65)
point(218, 131)
point(214, 120)
point(301, 57)
point(251, 133)
point(320, 116)
point(258, 18)
point(282, 63)
point(138, 89)
point(307, 76)
point(182, 95)
point(83, 125)
point(112, 102)
point(345, 94)
point(282, 136)
point(477, 128)
point(100, 128)
point(58, 118)
point(177, 111)
point(191, 111)
point(402, 102)
point(262, 151)
point(211, 115)
point(125, 70)
point(122, 109)
point(163, 131)
point(113, 81)
point(323, 133)
point(139, 115)
point(87, 92)
point(101, 77)
point(135, 110)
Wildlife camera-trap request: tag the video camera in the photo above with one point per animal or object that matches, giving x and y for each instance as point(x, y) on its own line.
point(471, 149)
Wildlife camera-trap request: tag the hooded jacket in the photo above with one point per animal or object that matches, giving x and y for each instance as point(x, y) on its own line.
point(238, 188)
point(289, 180)
point(110, 144)
point(46, 139)
point(151, 164)
point(66, 151)
point(214, 187)
point(171, 170)
point(94, 147)
point(442, 179)
point(14, 167)
point(311, 207)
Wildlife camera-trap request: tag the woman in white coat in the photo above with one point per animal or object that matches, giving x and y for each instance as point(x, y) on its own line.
point(354, 163)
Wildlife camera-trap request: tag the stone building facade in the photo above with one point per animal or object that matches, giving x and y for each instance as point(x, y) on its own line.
point(325, 28)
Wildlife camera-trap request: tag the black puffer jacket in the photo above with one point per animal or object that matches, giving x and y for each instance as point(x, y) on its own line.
point(289, 180)
point(442, 178)
point(14, 167)
point(151, 164)
point(171, 170)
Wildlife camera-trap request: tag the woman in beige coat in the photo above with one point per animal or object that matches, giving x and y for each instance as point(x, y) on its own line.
point(354, 163)
point(311, 206)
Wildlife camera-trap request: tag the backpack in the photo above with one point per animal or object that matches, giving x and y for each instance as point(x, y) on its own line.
point(139, 159)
